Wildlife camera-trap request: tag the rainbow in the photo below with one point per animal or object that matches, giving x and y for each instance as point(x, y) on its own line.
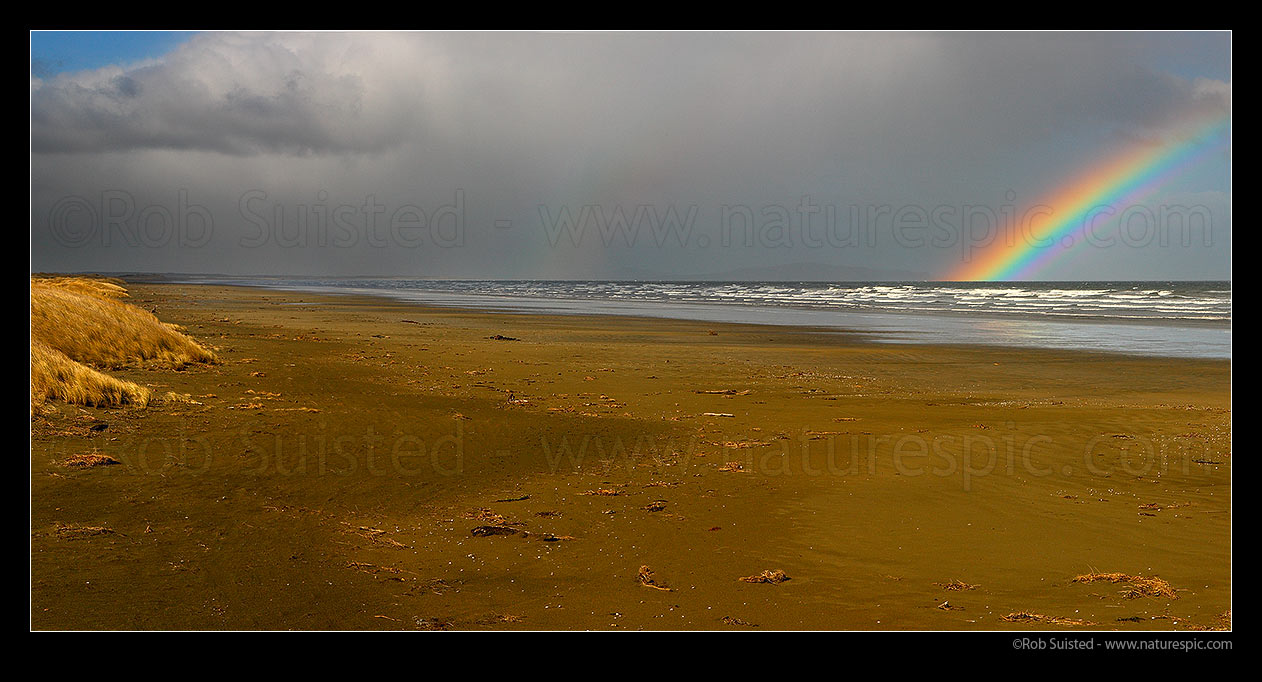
point(1115, 182)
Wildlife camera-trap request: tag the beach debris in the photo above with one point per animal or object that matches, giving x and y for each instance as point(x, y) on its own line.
point(514, 499)
point(436, 586)
point(375, 534)
point(549, 537)
point(1136, 586)
point(1030, 617)
point(717, 414)
point(70, 531)
point(1222, 622)
point(656, 506)
point(725, 391)
point(432, 623)
point(947, 606)
point(956, 586)
point(645, 578)
point(770, 577)
point(606, 492)
point(548, 514)
point(391, 572)
point(99, 427)
point(501, 337)
point(1152, 506)
point(488, 531)
point(733, 467)
point(88, 461)
point(729, 620)
point(487, 516)
point(745, 444)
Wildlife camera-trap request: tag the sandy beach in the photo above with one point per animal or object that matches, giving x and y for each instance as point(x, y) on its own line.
point(358, 463)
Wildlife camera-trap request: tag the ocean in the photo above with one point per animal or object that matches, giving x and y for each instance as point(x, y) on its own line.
point(1165, 319)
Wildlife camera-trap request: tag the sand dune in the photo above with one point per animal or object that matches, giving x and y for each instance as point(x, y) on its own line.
point(80, 326)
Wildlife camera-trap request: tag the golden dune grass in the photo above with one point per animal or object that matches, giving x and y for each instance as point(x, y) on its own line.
point(91, 326)
point(97, 286)
point(80, 326)
point(56, 377)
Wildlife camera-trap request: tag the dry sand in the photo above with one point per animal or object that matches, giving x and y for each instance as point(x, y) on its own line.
point(361, 464)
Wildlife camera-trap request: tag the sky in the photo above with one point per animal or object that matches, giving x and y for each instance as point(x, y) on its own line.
point(54, 52)
point(633, 155)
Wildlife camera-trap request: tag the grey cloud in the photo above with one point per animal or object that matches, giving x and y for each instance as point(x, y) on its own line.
point(228, 94)
point(362, 93)
point(523, 120)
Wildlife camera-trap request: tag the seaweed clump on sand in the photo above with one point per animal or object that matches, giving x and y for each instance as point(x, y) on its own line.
point(87, 461)
point(1137, 586)
point(1032, 618)
point(769, 577)
point(956, 586)
point(646, 578)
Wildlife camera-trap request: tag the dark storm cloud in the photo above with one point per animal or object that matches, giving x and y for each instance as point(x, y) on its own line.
point(522, 120)
point(348, 93)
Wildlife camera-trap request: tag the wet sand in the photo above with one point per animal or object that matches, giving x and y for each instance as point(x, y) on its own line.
point(357, 463)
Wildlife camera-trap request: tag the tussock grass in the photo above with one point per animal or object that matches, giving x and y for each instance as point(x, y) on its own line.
point(93, 327)
point(103, 287)
point(80, 326)
point(56, 377)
